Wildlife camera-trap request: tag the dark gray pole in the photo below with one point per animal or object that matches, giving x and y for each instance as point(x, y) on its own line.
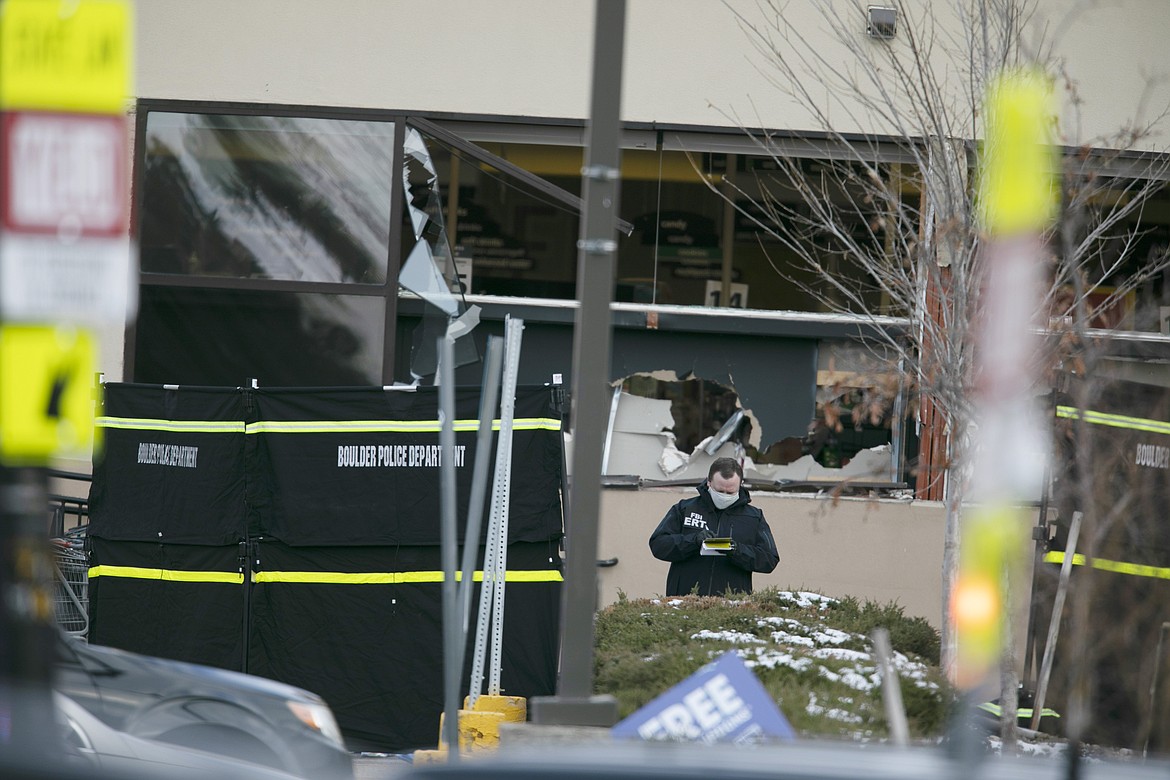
point(488, 406)
point(26, 617)
point(452, 636)
point(597, 252)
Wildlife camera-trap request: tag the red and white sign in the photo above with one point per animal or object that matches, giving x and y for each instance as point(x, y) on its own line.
point(64, 174)
point(65, 253)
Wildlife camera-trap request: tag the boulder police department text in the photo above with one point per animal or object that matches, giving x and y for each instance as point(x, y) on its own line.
point(168, 455)
point(416, 455)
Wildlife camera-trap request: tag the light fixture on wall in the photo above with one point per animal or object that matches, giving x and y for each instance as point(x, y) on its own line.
point(883, 21)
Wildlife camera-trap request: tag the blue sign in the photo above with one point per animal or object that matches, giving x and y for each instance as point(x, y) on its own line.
point(722, 702)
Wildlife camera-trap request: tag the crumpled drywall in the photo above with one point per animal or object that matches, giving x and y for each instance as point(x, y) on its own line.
point(641, 444)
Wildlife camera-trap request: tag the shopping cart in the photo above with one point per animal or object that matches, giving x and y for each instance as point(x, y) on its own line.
point(71, 582)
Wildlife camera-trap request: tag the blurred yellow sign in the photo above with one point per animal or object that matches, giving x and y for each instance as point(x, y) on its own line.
point(65, 55)
point(1017, 192)
point(989, 562)
point(46, 399)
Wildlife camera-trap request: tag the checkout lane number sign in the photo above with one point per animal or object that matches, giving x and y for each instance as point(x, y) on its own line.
point(46, 392)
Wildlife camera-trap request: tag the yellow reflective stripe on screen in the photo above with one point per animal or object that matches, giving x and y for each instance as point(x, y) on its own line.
point(1022, 712)
point(347, 578)
point(530, 424)
point(351, 426)
point(312, 577)
point(1120, 567)
point(538, 575)
point(179, 426)
point(166, 575)
point(1113, 420)
point(317, 426)
point(393, 426)
point(392, 577)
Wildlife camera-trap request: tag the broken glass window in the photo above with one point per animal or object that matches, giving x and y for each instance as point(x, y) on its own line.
point(429, 268)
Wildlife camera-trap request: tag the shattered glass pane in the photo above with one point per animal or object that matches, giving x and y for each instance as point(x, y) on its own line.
point(429, 269)
point(421, 275)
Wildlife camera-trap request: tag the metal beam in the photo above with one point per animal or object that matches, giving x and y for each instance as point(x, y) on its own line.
point(499, 163)
point(597, 254)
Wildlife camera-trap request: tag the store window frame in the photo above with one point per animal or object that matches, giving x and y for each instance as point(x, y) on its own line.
point(454, 129)
point(144, 107)
point(390, 289)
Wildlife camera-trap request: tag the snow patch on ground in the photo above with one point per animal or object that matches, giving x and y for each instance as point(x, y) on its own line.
point(735, 637)
point(833, 713)
point(785, 638)
point(832, 636)
point(776, 620)
point(770, 659)
point(805, 600)
point(839, 654)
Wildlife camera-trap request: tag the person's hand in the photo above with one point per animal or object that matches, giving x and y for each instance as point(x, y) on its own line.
point(699, 536)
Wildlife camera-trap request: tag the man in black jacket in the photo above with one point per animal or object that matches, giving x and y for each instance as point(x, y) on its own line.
point(721, 510)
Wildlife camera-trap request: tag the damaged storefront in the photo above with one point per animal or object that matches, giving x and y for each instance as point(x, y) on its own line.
point(330, 248)
point(680, 424)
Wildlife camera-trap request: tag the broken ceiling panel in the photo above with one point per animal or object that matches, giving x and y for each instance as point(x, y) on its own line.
point(639, 434)
point(642, 415)
point(872, 465)
point(637, 454)
point(698, 463)
point(641, 444)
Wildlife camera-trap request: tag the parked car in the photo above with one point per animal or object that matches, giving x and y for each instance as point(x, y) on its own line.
point(797, 760)
point(198, 708)
point(99, 750)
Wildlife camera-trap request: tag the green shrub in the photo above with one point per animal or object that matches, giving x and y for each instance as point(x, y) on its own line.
point(909, 635)
point(811, 653)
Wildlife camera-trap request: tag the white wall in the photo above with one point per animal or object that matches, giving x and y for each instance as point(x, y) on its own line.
point(687, 61)
point(1115, 53)
point(878, 550)
point(871, 549)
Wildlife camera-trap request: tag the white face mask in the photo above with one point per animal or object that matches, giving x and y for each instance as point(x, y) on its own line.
point(723, 500)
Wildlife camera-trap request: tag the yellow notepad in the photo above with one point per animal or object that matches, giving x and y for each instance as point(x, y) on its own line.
point(717, 546)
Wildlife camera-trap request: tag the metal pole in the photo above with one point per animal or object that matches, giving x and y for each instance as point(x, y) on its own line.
point(501, 498)
point(488, 400)
point(898, 424)
point(452, 636)
point(250, 549)
point(1040, 537)
point(495, 552)
point(1154, 688)
point(1070, 550)
point(597, 252)
point(728, 232)
point(891, 688)
point(26, 616)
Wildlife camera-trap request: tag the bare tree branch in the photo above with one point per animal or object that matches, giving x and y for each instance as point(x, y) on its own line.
point(870, 209)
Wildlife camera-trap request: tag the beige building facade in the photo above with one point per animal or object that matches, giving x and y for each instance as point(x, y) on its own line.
point(876, 549)
point(686, 62)
point(514, 76)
